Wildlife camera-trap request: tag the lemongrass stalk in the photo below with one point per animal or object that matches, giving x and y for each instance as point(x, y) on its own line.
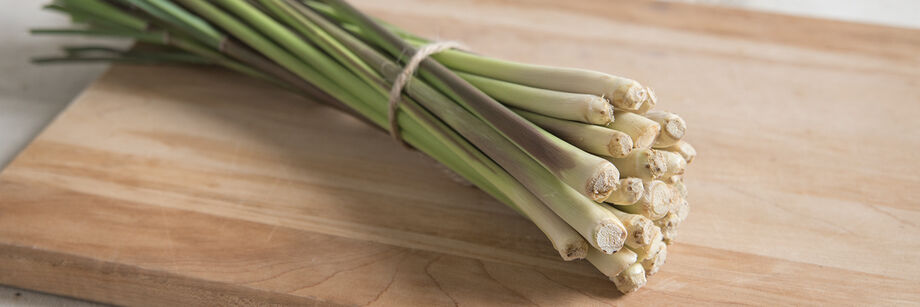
point(628, 192)
point(111, 13)
point(679, 186)
point(611, 264)
point(630, 279)
point(79, 15)
point(594, 139)
point(675, 164)
point(561, 234)
point(668, 224)
point(584, 108)
point(156, 36)
point(646, 164)
point(643, 131)
point(684, 149)
point(582, 171)
point(673, 128)
point(652, 264)
point(655, 201)
point(680, 206)
point(623, 93)
point(196, 25)
point(641, 230)
point(649, 250)
point(127, 58)
point(650, 102)
point(673, 178)
point(682, 210)
point(675, 199)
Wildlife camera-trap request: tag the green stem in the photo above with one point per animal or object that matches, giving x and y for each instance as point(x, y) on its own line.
point(567, 242)
point(599, 226)
point(589, 109)
point(590, 175)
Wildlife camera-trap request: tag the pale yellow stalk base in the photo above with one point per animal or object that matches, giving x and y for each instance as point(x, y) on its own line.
point(610, 236)
point(676, 165)
point(611, 264)
point(643, 131)
point(649, 103)
point(673, 128)
point(628, 192)
point(654, 263)
point(595, 139)
point(651, 249)
point(655, 201)
point(684, 149)
point(640, 230)
point(646, 164)
point(668, 225)
point(601, 185)
point(682, 210)
point(679, 186)
point(629, 96)
point(630, 279)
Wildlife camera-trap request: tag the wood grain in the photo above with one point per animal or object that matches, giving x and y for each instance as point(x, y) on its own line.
point(171, 186)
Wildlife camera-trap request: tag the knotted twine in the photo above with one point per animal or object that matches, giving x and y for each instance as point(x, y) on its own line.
point(406, 74)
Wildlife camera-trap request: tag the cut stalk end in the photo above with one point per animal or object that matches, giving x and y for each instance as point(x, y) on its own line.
point(628, 192)
point(679, 186)
point(655, 202)
point(653, 264)
point(649, 103)
point(610, 236)
point(620, 145)
point(643, 131)
point(574, 250)
point(641, 231)
point(682, 210)
point(630, 279)
point(676, 165)
point(603, 183)
point(633, 97)
point(673, 128)
point(645, 164)
point(598, 112)
point(668, 225)
point(649, 250)
point(684, 150)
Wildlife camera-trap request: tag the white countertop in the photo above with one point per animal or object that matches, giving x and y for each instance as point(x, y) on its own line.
point(31, 96)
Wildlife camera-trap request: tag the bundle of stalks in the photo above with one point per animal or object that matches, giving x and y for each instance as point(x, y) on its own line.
point(551, 143)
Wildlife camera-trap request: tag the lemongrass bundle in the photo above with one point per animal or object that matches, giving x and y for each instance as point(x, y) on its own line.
point(551, 143)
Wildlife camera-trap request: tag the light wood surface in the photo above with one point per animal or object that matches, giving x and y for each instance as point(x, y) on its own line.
point(168, 185)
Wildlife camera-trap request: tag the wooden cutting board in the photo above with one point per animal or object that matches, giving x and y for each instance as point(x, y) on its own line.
point(175, 186)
